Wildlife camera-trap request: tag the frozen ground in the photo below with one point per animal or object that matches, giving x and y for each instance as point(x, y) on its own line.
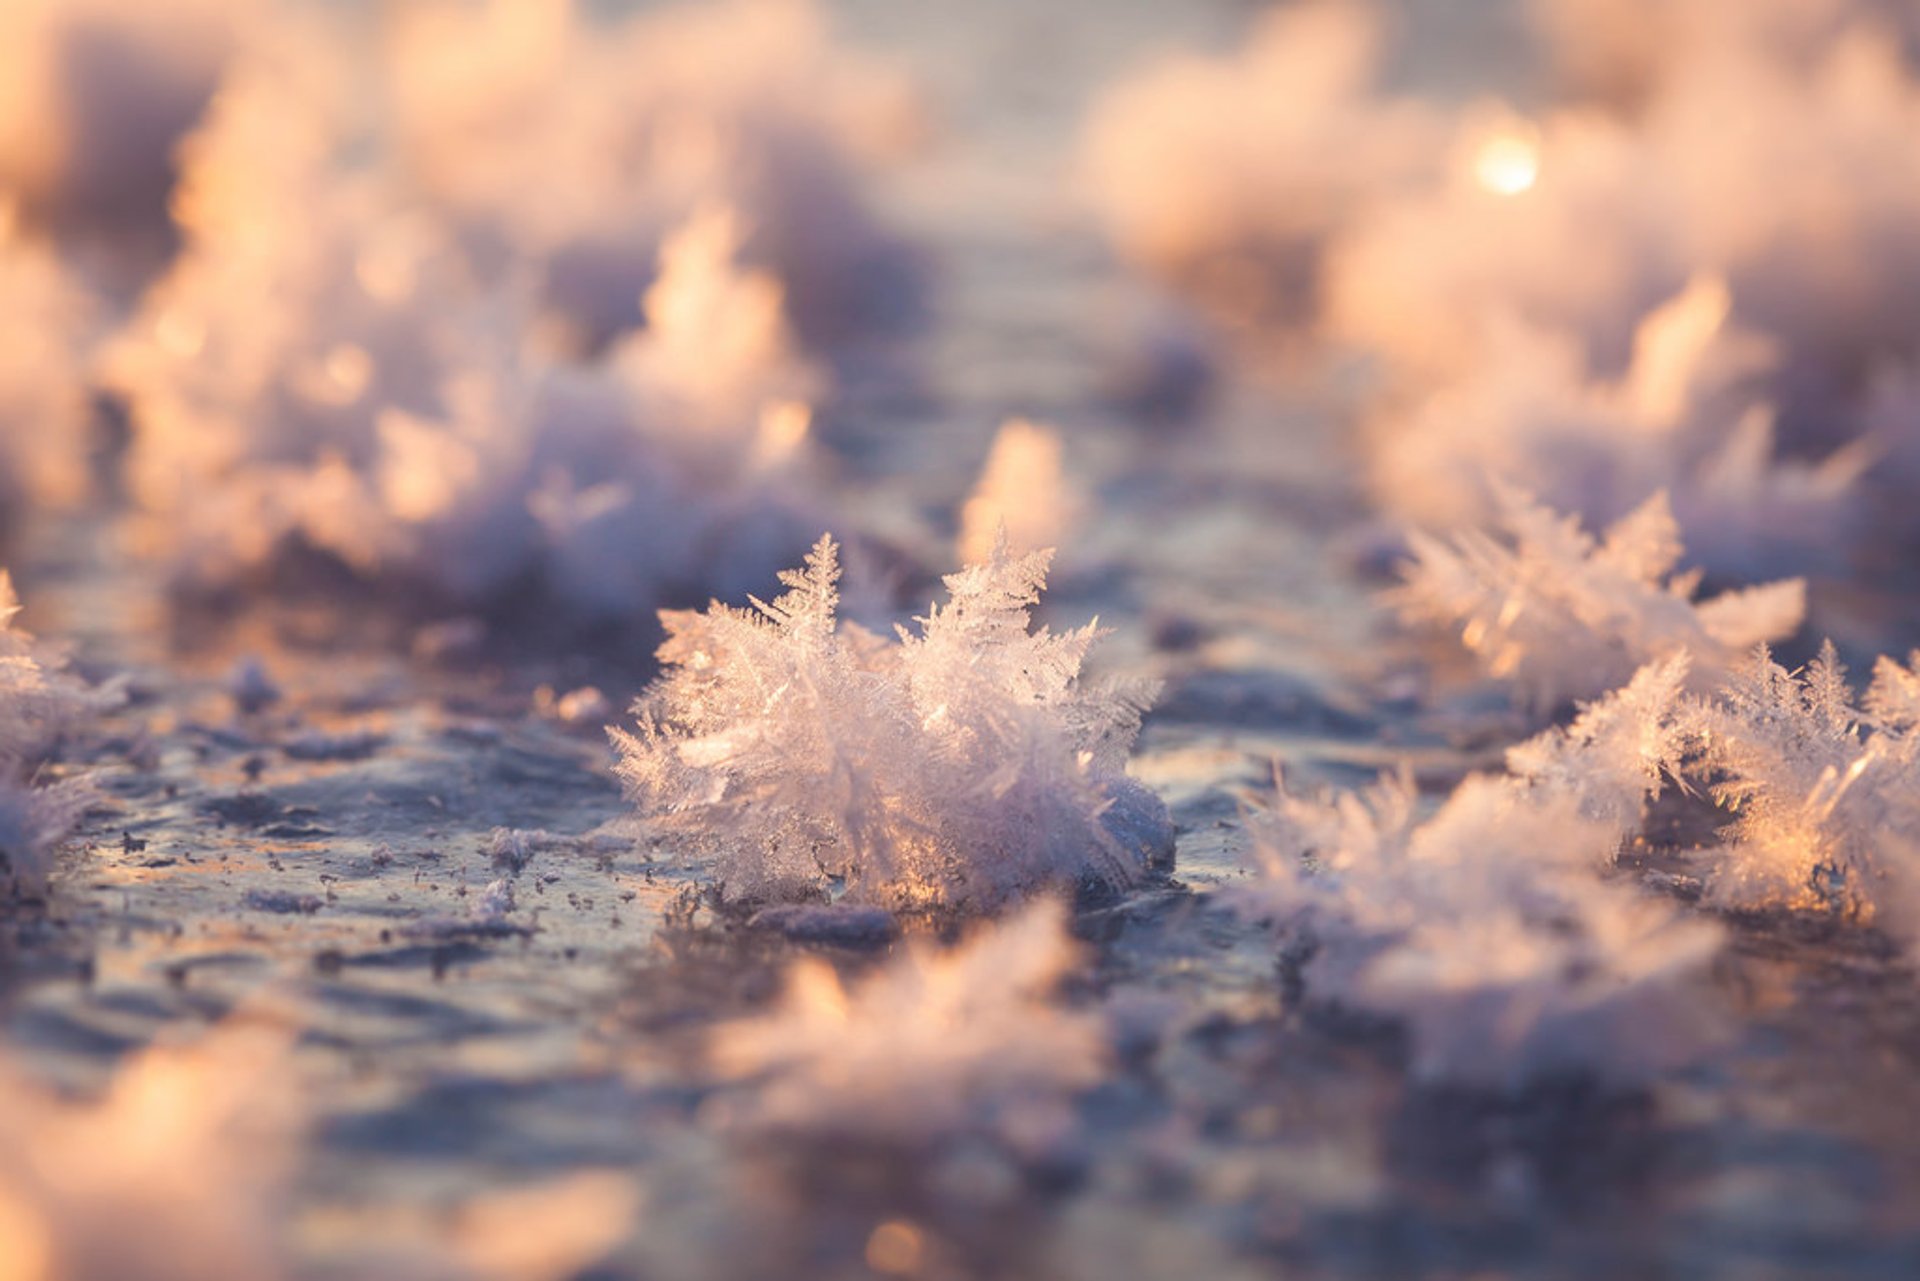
point(328, 855)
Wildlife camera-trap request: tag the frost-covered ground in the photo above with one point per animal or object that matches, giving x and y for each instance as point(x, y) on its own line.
point(357, 965)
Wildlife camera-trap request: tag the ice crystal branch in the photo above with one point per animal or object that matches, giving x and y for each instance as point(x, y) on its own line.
point(1565, 615)
point(964, 765)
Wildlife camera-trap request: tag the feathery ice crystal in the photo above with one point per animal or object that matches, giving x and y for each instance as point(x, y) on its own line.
point(38, 703)
point(1567, 616)
point(1825, 794)
point(961, 767)
point(1488, 928)
point(935, 1044)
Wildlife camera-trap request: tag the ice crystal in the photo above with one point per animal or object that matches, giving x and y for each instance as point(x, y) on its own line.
point(935, 1044)
point(1488, 928)
point(1566, 616)
point(38, 704)
point(962, 766)
point(1823, 792)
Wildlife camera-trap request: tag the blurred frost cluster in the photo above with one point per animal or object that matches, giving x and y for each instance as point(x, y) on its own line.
point(527, 300)
point(1687, 270)
point(960, 766)
point(39, 704)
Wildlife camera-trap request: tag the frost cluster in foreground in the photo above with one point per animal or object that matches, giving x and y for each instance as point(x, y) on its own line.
point(38, 704)
point(1489, 928)
point(961, 765)
point(935, 1044)
point(1566, 616)
point(1824, 792)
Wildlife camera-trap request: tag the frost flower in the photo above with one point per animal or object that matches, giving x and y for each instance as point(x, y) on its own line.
point(1566, 616)
point(37, 704)
point(1488, 929)
point(962, 766)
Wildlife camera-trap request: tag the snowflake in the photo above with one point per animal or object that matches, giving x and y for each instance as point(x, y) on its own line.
point(38, 704)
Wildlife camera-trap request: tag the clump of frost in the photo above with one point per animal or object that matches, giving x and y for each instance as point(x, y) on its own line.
point(576, 144)
point(181, 1170)
point(1232, 176)
point(1683, 418)
point(38, 704)
point(1566, 616)
point(1024, 491)
point(44, 412)
point(321, 370)
point(1487, 928)
point(1824, 792)
point(94, 97)
point(934, 1045)
point(961, 766)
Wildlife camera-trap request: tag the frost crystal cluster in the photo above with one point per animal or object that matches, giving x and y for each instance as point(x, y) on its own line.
point(324, 368)
point(577, 294)
point(1616, 296)
point(1488, 928)
point(935, 1044)
point(960, 766)
point(38, 703)
point(1824, 793)
point(1567, 616)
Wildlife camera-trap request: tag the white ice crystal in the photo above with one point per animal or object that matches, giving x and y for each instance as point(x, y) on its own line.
point(577, 145)
point(38, 704)
point(1488, 928)
point(934, 1044)
point(962, 766)
point(1567, 616)
point(1824, 794)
